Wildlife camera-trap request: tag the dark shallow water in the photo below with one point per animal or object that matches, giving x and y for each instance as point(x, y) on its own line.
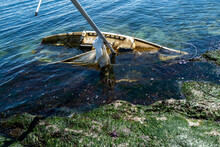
point(28, 84)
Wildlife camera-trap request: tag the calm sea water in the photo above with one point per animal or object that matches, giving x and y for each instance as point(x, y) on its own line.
point(28, 85)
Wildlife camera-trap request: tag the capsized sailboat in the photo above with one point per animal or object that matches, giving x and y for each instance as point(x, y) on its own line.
point(98, 54)
point(120, 44)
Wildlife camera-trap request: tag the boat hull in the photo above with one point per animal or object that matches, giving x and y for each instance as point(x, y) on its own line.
point(120, 43)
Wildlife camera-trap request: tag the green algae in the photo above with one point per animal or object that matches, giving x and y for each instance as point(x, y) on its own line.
point(171, 122)
point(196, 91)
point(18, 121)
point(202, 101)
point(213, 56)
point(133, 124)
point(4, 141)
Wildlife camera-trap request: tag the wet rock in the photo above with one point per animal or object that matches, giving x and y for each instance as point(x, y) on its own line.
point(202, 101)
point(193, 123)
point(52, 129)
point(213, 56)
point(201, 91)
point(67, 130)
point(161, 118)
point(189, 122)
point(17, 132)
point(214, 133)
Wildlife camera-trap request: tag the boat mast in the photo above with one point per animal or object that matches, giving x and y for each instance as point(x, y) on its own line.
point(38, 7)
point(89, 20)
point(92, 24)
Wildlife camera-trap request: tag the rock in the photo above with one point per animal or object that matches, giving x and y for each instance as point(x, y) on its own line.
point(201, 91)
point(189, 122)
point(202, 101)
point(135, 118)
point(17, 132)
point(161, 118)
point(193, 123)
point(214, 133)
point(67, 130)
point(213, 56)
point(53, 129)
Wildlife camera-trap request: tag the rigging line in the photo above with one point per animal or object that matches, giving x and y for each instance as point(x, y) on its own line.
point(185, 43)
point(196, 50)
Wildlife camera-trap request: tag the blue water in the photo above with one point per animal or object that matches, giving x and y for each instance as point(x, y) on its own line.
point(26, 84)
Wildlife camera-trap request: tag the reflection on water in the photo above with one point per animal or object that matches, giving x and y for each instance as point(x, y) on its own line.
point(27, 84)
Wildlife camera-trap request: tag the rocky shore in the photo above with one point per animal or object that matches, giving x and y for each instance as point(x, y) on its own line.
point(193, 121)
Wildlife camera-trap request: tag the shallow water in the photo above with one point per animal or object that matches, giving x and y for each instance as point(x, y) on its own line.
point(28, 84)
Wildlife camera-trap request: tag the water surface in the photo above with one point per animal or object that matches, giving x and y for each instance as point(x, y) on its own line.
point(27, 84)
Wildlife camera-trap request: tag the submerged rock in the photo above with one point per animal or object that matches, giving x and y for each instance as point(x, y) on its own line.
point(213, 56)
point(209, 56)
point(188, 122)
point(202, 101)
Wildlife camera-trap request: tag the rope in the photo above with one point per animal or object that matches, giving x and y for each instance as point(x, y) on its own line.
point(186, 43)
point(196, 50)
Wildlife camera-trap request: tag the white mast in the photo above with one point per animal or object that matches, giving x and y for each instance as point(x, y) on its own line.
point(92, 24)
point(38, 7)
point(89, 20)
